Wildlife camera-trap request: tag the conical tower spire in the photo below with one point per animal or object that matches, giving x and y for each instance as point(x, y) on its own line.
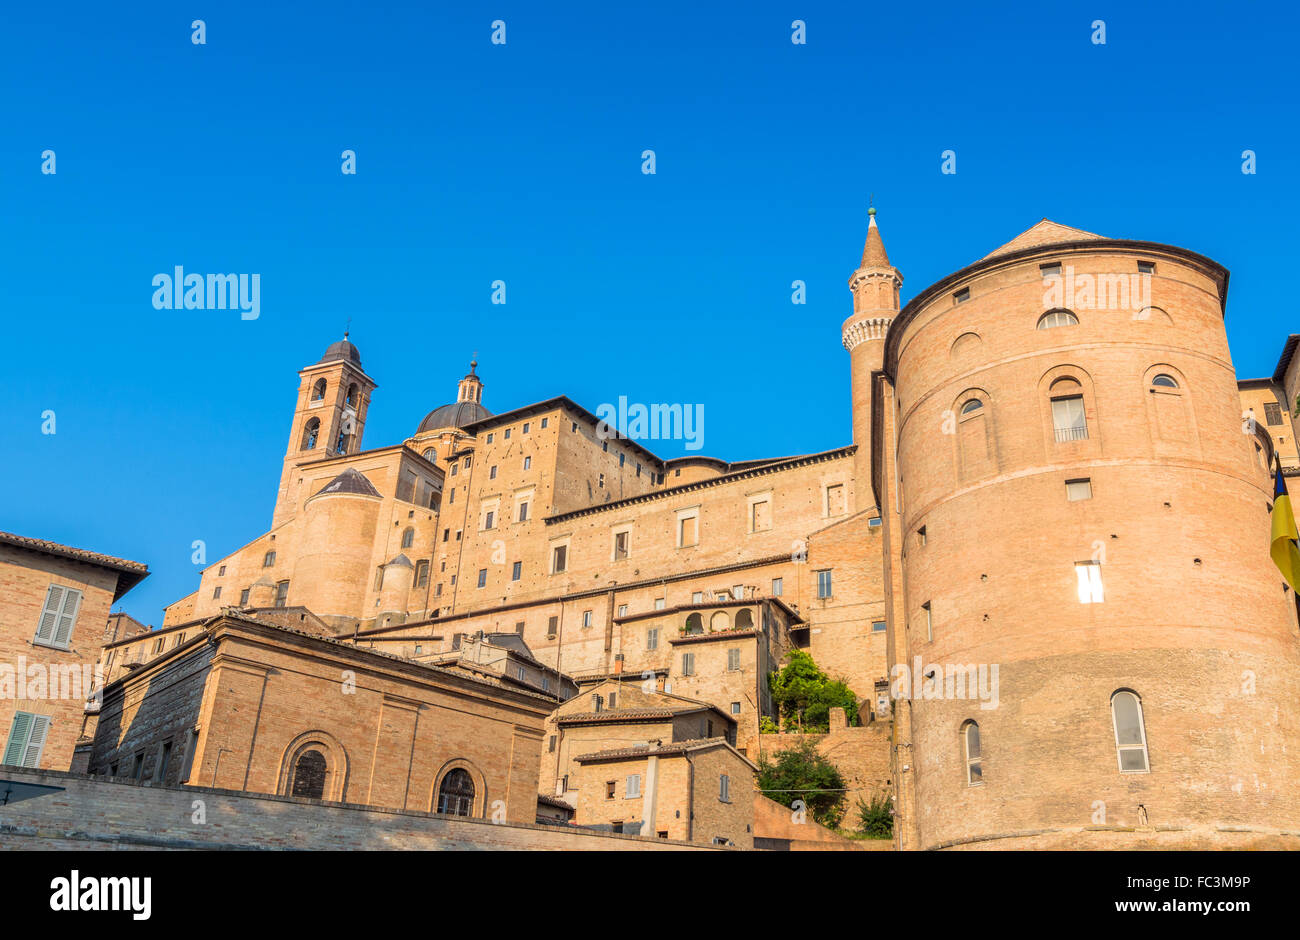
point(873, 254)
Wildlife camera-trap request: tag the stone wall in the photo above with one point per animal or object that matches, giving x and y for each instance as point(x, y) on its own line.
point(93, 813)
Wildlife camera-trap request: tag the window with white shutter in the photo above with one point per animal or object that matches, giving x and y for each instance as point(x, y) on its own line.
point(58, 616)
point(26, 739)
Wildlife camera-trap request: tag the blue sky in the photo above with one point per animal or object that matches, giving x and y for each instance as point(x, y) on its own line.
point(522, 163)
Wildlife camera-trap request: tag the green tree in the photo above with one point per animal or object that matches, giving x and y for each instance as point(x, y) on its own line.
point(804, 695)
point(801, 773)
point(876, 818)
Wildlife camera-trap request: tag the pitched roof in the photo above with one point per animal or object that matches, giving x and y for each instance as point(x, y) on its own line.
point(350, 482)
point(1284, 361)
point(130, 573)
point(1044, 233)
point(873, 252)
point(662, 750)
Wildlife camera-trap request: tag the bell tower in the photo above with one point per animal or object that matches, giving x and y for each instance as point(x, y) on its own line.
point(875, 286)
point(333, 397)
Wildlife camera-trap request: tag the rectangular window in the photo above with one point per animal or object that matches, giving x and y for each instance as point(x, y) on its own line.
point(163, 761)
point(824, 584)
point(633, 786)
point(697, 597)
point(877, 626)
point(733, 660)
point(1088, 575)
point(516, 570)
point(1052, 269)
point(735, 708)
point(268, 560)
point(600, 482)
point(528, 463)
point(519, 627)
point(652, 638)
point(724, 788)
point(620, 545)
point(778, 585)
point(482, 577)
point(622, 610)
point(1272, 413)
point(282, 594)
point(523, 511)
point(437, 589)
point(221, 571)
point(552, 624)
point(490, 437)
point(243, 597)
point(446, 534)
point(920, 535)
point(421, 574)
point(216, 592)
point(1068, 418)
point(26, 741)
point(688, 531)
point(961, 296)
point(492, 472)
point(559, 559)
point(659, 603)
point(545, 422)
point(506, 435)
point(54, 628)
point(688, 664)
point(550, 745)
point(586, 619)
point(489, 519)
point(1146, 267)
point(609, 789)
point(525, 428)
point(1078, 489)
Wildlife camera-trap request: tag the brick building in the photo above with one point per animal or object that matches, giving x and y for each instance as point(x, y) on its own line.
point(54, 620)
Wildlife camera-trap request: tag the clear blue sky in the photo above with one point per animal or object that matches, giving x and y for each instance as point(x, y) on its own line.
point(522, 163)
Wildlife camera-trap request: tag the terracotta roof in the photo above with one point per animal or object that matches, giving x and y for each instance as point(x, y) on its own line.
point(1284, 361)
point(716, 635)
point(131, 572)
point(662, 750)
point(553, 801)
point(615, 715)
point(873, 253)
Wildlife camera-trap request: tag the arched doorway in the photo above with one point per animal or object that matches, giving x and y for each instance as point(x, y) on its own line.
point(456, 795)
point(309, 776)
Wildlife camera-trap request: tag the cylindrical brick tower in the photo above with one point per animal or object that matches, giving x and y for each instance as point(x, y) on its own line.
point(875, 286)
point(1085, 519)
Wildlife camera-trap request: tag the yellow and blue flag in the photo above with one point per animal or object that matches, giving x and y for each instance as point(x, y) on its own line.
point(1282, 546)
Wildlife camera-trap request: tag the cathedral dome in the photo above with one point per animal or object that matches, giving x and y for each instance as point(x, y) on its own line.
point(456, 415)
point(342, 350)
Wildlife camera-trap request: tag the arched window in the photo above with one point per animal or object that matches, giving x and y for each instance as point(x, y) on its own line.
point(318, 390)
point(1165, 381)
point(694, 623)
point(456, 795)
point(719, 621)
point(744, 619)
point(408, 538)
point(1130, 732)
point(973, 405)
point(1054, 318)
point(310, 432)
point(352, 395)
point(430, 455)
point(970, 735)
point(1069, 420)
point(309, 776)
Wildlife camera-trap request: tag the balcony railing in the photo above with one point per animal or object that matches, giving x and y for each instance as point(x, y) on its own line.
point(1079, 433)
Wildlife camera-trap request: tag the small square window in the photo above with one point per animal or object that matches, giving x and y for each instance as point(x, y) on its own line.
point(1051, 269)
point(877, 626)
point(961, 296)
point(1146, 267)
point(1078, 489)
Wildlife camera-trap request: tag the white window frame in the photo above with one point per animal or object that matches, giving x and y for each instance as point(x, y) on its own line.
point(632, 787)
point(1142, 727)
point(1088, 582)
point(978, 759)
